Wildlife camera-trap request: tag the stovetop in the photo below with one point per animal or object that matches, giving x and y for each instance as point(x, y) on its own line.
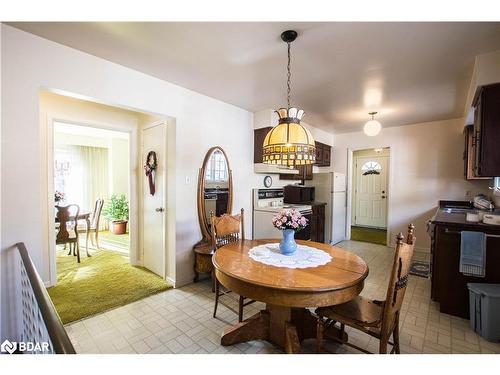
point(300, 208)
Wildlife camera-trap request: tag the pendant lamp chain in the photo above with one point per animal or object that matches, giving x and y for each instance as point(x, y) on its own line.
point(289, 77)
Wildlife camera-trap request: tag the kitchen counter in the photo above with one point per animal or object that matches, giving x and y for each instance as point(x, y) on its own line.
point(454, 213)
point(458, 218)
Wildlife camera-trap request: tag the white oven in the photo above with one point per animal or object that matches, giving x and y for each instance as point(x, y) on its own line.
point(266, 204)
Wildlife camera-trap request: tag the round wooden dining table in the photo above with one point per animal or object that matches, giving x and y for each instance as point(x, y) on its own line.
point(287, 292)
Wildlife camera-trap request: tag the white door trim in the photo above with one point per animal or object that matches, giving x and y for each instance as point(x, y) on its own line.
point(350, 173)
point(356, 181)
point(47, 188)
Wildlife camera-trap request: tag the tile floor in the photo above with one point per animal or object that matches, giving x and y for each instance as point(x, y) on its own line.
point(180, 320)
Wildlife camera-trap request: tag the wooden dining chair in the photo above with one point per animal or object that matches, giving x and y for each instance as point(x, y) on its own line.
point(226, 229)
point(66, 232)
point(94, 222)
point(378, 319)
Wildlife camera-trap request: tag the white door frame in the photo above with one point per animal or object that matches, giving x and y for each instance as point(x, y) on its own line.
point(350, 174)
point(357, 180)
point(165, 199)
point(48, 188)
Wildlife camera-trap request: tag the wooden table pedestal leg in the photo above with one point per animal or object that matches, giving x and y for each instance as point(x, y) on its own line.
point(285, 327)
point(254, 328)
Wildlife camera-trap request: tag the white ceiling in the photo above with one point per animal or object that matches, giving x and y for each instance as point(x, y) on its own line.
point(409, 72)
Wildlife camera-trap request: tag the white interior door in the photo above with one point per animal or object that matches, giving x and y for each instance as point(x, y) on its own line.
point(371, 191)
point(153, 207)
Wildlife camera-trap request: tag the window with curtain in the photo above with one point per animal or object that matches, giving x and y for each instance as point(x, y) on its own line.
point(81, 173)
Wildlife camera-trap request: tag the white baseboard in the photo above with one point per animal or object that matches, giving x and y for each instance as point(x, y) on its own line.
point(170, 280)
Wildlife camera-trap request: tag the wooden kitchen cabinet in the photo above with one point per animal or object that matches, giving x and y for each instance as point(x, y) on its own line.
point(305, 173)
point(258, 139)
point(323, 154)
point(449, 286)
point(318, 222)
point(470, 155)
point(327, 154)
point(486, 133)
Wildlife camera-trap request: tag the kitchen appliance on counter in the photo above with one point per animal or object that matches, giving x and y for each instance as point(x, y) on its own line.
point(482, 202)
point(266, 204)
point(297, 194)
point(331, 188)
point(492, 219)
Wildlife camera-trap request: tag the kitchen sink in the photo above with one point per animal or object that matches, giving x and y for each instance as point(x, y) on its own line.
point(458, 210)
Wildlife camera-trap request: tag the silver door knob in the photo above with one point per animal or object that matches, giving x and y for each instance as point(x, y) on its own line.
point(160, 209)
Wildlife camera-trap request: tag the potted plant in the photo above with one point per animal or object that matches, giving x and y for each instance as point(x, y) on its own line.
point(116, 211)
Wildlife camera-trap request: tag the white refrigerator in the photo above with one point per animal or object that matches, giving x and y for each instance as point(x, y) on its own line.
point(330, 188)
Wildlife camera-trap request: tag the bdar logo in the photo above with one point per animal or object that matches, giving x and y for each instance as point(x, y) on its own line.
point(8, 347)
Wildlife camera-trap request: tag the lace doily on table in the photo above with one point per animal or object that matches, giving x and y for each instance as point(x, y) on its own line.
point(304, 257)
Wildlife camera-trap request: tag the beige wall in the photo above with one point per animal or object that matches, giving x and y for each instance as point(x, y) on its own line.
point(426, 166)
point(119, 165)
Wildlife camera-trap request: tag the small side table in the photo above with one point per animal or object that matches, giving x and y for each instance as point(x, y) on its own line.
point(203, 252)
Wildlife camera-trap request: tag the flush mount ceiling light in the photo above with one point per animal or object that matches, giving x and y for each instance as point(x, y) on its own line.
point(372, 127)
point(289, 143)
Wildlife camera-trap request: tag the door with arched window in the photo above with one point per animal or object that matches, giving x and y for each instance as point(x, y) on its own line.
point(371, 191)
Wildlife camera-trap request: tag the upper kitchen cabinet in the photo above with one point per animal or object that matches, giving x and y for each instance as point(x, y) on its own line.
point(303, 172)
point(258, 139)
point(486, 136)
point(323, 154)
point(470, 155)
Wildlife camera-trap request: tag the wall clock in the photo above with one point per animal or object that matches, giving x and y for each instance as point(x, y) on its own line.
point(268, 181)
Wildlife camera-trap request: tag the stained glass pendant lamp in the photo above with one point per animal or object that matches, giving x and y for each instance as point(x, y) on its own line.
point(289, 143)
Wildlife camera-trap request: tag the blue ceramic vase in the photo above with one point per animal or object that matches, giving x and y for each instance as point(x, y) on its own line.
point(288, 246)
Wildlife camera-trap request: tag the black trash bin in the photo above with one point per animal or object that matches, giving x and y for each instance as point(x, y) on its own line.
point(484, 302)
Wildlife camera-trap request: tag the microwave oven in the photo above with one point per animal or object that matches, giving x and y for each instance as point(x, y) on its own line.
point(296, 194)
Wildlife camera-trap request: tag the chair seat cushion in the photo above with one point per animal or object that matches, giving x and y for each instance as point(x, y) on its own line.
point(360, 311)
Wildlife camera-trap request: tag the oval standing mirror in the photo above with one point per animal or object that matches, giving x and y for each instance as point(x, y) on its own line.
point(215, 189)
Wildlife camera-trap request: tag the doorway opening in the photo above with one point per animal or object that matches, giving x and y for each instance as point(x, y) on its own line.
point(91, 170)
point(370, 194)
point(95, 206)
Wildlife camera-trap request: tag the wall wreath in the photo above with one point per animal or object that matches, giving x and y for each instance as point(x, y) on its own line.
point(150, 169)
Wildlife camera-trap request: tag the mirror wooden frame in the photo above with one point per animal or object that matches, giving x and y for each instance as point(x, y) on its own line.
point(205, 230)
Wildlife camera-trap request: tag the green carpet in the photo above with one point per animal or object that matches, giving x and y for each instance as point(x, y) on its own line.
point(99, 283)
point(110, 241)
point(372, 235)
